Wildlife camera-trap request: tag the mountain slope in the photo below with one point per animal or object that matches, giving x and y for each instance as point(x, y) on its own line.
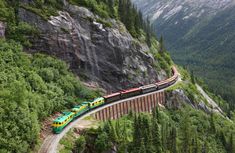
point(97, 49)
point(199, 34)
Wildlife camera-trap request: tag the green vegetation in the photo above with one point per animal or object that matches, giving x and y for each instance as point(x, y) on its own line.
point(68, 142)
point(32, 88)
point(123, 10)
point(44, 8)
point(165, 131)
point(163, 59)
point(16, 30)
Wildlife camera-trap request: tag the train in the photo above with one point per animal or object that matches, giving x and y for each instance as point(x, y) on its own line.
point(62, 121)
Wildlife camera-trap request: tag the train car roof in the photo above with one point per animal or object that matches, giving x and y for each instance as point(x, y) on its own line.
point(99, 98)
point(130, 90)
point(63, 117)
point(147, 86)
point(161, 82)
point(112, 95)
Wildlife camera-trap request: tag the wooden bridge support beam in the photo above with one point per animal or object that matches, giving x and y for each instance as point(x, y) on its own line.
point(140, 104)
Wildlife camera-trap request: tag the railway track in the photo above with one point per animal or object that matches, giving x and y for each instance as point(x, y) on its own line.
point(51, 142)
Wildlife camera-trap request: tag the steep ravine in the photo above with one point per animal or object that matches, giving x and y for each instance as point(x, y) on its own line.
point(95, 52)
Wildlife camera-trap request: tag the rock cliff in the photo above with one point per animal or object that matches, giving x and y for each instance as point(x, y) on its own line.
point(96, 51)
point(175, 99)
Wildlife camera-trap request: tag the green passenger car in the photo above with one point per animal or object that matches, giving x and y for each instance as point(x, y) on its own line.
point(59, 123)
point(80, 109)
point(97, 102)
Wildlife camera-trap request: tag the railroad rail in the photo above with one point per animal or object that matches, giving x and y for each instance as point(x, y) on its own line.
point(138, 103)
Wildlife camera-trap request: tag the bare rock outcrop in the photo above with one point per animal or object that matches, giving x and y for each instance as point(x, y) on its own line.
point(94, 51)
point(177, 98)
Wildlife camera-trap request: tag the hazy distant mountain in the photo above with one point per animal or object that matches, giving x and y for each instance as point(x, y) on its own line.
point(200, 34)
point(177, 18)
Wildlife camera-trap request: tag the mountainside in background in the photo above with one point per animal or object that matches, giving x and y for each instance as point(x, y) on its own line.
point(199, 34)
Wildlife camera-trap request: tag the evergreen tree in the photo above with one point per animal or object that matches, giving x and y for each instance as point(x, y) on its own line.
point(212, 123)
point(173, 140)
point(142, 147)
point(161, 43)
point(223, 139)
point(156, 136)
point(111, 7)
point(80, 144)
point(193, 77)
point(136, 134)
point(231, 144)
point(185, 134)
point(194, 145)
point(148, 33)
point(117, 127)
point(102, 142)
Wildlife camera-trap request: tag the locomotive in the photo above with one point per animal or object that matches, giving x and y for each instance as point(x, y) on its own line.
point(62, 121)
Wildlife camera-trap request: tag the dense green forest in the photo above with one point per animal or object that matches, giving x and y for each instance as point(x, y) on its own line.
point(165, 131)
point(32, 88)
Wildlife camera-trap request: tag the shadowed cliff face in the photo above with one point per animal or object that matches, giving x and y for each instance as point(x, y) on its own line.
point(108, 56)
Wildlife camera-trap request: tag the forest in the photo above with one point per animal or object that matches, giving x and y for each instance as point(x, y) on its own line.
point(164, 131)
point(32, 88)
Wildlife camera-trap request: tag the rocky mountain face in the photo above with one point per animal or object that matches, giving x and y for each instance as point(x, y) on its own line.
point(200, 35)
point(176, 99)
point(95, 51)
point(175, 19)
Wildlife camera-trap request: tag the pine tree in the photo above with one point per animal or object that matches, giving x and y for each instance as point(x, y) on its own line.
point(142, 147)
point(173, 140)
point(156, 114)
point(111, 131)
point(121, 10)
point(223, 139)
point(136, 134)
point(156, 136)
point(111, 7)
point(231, 144)
point(193, 77)
point(80, 145)
point(148, 33)
point(194, 145)
point(161, 43)
point(185, 134)
point(117, 128)
point(212, 123)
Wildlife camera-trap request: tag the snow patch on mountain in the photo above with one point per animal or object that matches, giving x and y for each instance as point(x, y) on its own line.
point(162, 9)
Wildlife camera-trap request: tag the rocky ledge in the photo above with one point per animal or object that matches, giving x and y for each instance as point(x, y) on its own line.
point(177, 98)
